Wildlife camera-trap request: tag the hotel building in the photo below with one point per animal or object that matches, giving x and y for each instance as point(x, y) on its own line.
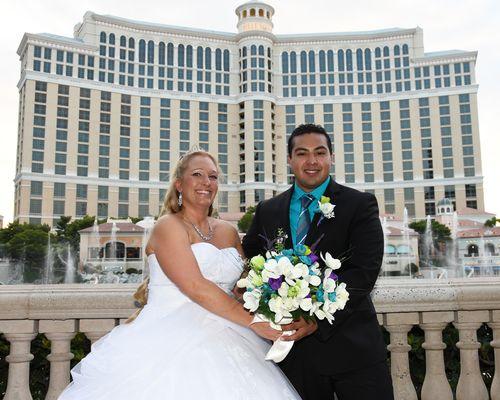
point(104, 116)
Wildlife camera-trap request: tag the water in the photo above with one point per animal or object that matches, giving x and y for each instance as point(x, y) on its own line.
point(95, 239)
point(406, 241)
point(69, 276)
point(49, 263)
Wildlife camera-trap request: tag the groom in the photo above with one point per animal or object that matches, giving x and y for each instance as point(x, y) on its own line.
point(347, 358)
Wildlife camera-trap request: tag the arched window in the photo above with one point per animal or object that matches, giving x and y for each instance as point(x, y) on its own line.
point(312, 61)
point(368, 59)
point(322, 61)
point(180, 55)
point(472, 250)
point(303, 61)
point(252, 12)
point(226, 60)
point(103, 37)
point(142, 50)
point(293, 62)
point(261, 50)
point(131, 43)
point(114, 250)
point(269, 52)
point(386, 51)
point(261, 13)
point(377, 52)
point(284, 62)
point(405, 49)
point(208, 58)
point(244, 51)
point(189, 56)
point(253, 50)
point(170, 54)
point(348, 57)
point(268, 15)
point(390, 249)
point(489, 249)
point(244, 13)
point(199, 57)
point(396, 50)
point(359, 59)
point(161, 53)
point(330, 60)
point(340, 56)
point(112, 38)
point(151, 52)
point(123, 41)
point(218, 59)
point(403, 249)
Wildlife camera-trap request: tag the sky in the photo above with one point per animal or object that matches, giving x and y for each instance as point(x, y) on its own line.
point(447, 24)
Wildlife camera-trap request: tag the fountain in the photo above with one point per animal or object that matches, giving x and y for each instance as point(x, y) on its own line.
point(49, 263)
point(112, 247)
point(147, 224)
point(69, 276)
point(406, 240)
point(95, 239)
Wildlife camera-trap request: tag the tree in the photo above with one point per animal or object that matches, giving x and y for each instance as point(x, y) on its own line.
point(246, 220)
point(440, 232)
point(67, 231)
point(492, 222)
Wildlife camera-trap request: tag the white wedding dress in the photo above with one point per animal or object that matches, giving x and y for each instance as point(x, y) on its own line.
point(177, 350)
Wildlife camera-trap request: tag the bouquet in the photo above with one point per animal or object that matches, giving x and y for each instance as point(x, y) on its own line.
point(287, 284)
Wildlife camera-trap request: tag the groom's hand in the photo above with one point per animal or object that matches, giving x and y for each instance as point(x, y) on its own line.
point(301, 327)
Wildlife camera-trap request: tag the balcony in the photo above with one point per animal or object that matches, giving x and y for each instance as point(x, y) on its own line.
point(60, 311)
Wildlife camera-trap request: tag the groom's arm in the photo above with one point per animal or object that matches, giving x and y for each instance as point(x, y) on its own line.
point(361, 270)
point(252, 242)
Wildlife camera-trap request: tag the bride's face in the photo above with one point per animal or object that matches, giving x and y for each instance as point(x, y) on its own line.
point(199, 183)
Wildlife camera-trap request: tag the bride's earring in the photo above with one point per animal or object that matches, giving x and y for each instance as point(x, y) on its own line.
point(179, 202)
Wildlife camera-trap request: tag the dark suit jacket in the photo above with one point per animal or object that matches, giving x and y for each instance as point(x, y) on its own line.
point(354, 340)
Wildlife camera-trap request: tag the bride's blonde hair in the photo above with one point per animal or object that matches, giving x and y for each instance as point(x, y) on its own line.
point(170, 206)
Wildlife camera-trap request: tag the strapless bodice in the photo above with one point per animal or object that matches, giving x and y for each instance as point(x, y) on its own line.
point(221, 266)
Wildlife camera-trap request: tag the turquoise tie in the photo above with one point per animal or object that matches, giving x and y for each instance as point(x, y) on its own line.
point(304, 218)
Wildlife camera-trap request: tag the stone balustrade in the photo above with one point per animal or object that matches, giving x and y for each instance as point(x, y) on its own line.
point(60, 311)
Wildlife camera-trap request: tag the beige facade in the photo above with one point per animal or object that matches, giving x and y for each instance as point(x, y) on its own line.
point(104, 116)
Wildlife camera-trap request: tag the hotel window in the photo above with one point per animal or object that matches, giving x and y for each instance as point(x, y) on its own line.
point(446, 137)
point(389, 201)
point(164, 147)
point(39, 119)
point(222, 138)
point(83, 133)
point(289, 127)
point(409, 199)
point(367, 132)
point(61, 130)
point(289, 70)
point(326, 73)
point(426, 139)
point(386, 136)
point(184, 126)
point(348, 143)
point(329, 128)
point(462, 73)
point(258, 145)
point(125, 115)
point(449, 193)
point(406, 142)
point(467, 139)
point(102, 198)
point(104, 134)
point(123, 199)
point(429, 197)
point(470, 196)
point(144, 138)
point(383, 70)
point(143, 210)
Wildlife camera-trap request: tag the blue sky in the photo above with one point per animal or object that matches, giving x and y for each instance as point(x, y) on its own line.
point(447, 24)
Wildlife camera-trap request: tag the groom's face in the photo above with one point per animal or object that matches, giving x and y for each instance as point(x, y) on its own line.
point(310, 160)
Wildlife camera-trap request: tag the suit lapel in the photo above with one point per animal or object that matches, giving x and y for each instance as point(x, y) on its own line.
point(317, 231)
point(285, 216)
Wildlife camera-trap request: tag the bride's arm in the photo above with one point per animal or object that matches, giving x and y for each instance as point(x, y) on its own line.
point(173, 250)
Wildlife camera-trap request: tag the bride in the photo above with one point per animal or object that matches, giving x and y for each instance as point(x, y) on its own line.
point(192, 340)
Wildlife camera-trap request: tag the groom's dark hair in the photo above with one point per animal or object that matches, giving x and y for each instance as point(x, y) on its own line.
point(305, 129)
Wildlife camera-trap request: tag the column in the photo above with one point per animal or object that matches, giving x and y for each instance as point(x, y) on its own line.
point(495, 343)
point(60, 334)
point(94, 329)
point(470, 384)
point(436, 384)
point(398, 325)
point(19, 334)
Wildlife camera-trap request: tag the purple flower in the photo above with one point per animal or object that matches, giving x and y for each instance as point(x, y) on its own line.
point(275, 283)
point(313, 257)
point(334, 276)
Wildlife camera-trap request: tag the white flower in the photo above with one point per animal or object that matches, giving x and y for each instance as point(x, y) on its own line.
point(327, 209)
point(313, 280)
point(333, 263)
point(252, 300)
point(271, 254)
point(342, 295)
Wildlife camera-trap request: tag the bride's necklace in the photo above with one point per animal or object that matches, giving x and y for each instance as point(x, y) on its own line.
point(205, 238)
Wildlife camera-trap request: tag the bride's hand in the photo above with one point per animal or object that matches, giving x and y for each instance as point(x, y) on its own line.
point(263, 329)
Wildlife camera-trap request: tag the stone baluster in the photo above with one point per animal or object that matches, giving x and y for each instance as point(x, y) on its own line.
point(436, 384)
point(94, 329)
point(19, 334)
point(398, 325)
point(60, 334)
point(495, 343)
point(470, 383)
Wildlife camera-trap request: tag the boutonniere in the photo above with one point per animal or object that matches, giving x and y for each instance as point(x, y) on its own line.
point(326, 208)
